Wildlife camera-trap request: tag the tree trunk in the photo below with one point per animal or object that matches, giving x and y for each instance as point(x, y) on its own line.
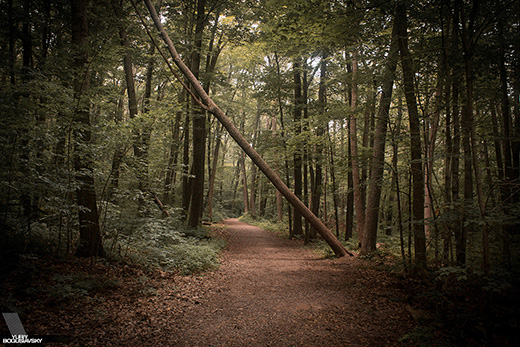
point(319, 148)
point(141, 168)
point(509, 151)
point(90, 237)
point(336, 246)
point(119, 151)
point(252, 200)
point(378, 152)
point(335, 198)
point(282, 133)
point(245, 191)
point(468, 41)
point(279, 198)
point(199, 127)
point(186, 182)
point(297, 155)
point(174, 152)
point(359, 198)
point(349, 214)
point(214, 165)
point(430, 138)
point(415, 142)
point(306, 150)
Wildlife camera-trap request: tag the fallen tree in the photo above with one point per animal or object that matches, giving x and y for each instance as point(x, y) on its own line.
point(211, 107)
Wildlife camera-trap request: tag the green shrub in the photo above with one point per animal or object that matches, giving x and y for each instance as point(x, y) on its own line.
point(165, 243)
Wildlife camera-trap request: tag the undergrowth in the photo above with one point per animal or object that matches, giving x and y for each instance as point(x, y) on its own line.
point(164, 243)
point(278, 228)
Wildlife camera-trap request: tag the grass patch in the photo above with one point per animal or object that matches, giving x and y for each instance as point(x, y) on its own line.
point(278, 228)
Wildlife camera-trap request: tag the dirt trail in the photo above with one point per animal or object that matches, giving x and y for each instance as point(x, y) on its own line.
point(267, 292)
point(271, 292)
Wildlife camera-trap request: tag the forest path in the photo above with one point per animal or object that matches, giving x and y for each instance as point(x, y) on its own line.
point(267, 292)
point(272, 292)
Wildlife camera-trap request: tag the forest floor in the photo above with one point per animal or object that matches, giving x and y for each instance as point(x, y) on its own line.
point(268, 291)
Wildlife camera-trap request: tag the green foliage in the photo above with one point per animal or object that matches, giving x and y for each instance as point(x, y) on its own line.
point(280, 229)
point(161, 242)
point(468, 306)
point(68, 287)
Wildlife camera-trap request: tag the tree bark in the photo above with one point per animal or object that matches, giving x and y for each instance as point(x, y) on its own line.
point(297, 155)
point(359, 198)
point(252, 199)
point(468, 41)
point(199, 127)
point(90, 237)
point(245, 190)
point(378, 152)
point(214, 165)
point(349, 213)
point(335, 198)
point(336, 246)
point(140, 152)
point(319, 148)
point(279, 198)
point(415, 142)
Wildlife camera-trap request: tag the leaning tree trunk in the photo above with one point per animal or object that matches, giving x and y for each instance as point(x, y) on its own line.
point(89, 233)
point(210, 105)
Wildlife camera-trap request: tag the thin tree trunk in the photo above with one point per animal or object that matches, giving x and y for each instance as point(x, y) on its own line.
point(468, 41)
point(297, 155)
point(430, 151)
point(319, 151)
point(306, 150)
point(395, 175)
point(214, 165)
point(378, 152)
point(336, 246)
point(415, 142)
point(119, 151)
point(245, 190)
point(359, 198)
point(282, 133)
point(349, 213)
point(279, 198)
point(141, 169)
point(335, 198)
point(174, 151)
point(186, 182)
point(252, 200)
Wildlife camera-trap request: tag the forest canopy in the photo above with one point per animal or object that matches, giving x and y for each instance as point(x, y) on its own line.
point(394, 122)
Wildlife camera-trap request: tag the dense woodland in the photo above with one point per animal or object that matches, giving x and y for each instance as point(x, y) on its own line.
point(396, 122)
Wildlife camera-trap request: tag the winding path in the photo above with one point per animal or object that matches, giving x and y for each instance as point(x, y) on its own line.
point(271, 292)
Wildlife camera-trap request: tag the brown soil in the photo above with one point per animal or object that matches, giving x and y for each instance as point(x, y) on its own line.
point(267, 292)
point(271, 292)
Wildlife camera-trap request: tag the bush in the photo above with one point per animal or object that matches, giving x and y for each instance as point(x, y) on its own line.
point(165, 243)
